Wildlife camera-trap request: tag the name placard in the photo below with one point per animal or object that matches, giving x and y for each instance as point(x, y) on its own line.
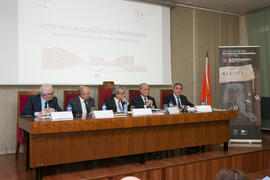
point(204, 108)
point(173, 110)
point(141, 112)
point(63, 115)
point(103, 114)
point(191, 109)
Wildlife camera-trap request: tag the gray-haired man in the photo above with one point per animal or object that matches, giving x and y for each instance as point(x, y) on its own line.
point(117, 101)
point(41, 104)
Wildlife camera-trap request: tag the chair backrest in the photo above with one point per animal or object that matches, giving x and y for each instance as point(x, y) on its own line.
point(68, 94)
point(132, 94)
point(22, 98)
point(104, 91)
point(163, 94)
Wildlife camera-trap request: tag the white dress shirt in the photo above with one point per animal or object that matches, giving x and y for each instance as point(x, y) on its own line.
point(176, 99)
point(146, 99)
point(117, 106)
point(84, 111)
point(42, 105)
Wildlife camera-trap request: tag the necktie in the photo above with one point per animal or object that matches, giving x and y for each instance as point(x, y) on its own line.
point(46, 105)
point(87, 107)
point(178, 101)
point(145, 100)
point(119, 106)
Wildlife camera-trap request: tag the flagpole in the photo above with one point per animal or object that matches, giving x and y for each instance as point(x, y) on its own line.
point(207, 75)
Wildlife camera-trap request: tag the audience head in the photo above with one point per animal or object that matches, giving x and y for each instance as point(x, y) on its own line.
point(118, 92)
point(144, 89)
point(177, 89)
point(84, 92)
point(46, 92)
point(231, 174)
point(130, 178)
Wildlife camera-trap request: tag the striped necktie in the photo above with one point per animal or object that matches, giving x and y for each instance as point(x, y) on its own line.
point(119, 106)
point(87, 107)
point(179, 102)
point(144, 100)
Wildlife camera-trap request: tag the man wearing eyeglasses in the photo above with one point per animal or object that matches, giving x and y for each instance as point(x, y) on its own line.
point(176, 98)
point(43, 103)
point(117, 101)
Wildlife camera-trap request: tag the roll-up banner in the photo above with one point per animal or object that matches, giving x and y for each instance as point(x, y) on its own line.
point(239, 78)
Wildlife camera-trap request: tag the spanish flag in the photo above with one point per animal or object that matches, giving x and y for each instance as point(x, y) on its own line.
point(206, 88)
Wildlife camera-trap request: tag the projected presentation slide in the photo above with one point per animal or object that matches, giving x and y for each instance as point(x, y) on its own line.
point(91, 41)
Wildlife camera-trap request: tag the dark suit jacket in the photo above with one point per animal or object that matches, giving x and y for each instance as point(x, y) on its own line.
point(184, 100)
point(34, 105)
point(77, 107)
point(110, 104)
point(139, 103)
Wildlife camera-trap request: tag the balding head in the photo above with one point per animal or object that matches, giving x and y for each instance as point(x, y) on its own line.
point(144, 89)
point(46, 92)
point(130, 178)
point(84, 92)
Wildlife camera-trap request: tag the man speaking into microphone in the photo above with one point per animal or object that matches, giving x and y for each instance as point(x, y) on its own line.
point(176, 98)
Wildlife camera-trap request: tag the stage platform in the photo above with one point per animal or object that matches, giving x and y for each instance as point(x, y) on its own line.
point(176, 165)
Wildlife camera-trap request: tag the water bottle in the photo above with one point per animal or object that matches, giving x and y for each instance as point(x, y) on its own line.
point(203, 103)
point(48, 113)
point(170, 104)
point(104, 108)
point(125, 108)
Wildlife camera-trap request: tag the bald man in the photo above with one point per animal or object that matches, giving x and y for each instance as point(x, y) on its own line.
point(82, 104)
point(43, 103)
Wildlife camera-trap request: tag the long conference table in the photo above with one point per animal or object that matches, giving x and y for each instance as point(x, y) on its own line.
point(83, 139)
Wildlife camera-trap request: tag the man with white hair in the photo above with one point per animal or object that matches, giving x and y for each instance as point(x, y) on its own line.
point(144, 100)
point(43, 103)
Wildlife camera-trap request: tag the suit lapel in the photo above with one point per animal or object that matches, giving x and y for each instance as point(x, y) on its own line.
point(50, 104)
point(78, 102)
point(114, 105)
point(182, 100)
point(39, 102)
point(173, 99)
point(142, 101)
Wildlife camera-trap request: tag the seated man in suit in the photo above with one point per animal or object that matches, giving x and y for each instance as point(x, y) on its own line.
point(43, 103)
point(176, 98)
point(117, 101)
point(82, 104)
point(144, 100)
